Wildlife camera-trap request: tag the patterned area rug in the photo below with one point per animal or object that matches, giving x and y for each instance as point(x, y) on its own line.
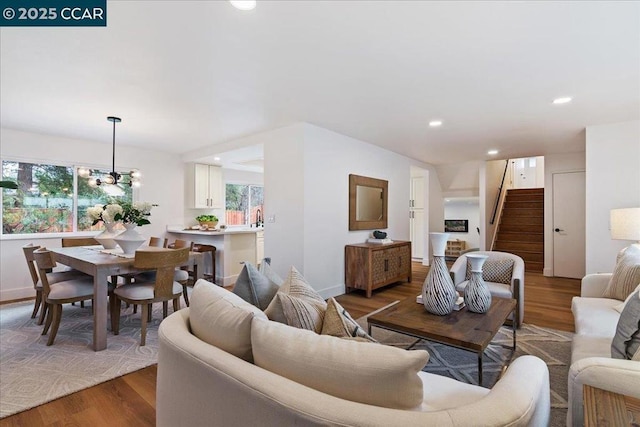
point(32, 373)
point(552, 346)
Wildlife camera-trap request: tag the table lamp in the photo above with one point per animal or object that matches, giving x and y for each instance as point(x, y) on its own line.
point(625, 225)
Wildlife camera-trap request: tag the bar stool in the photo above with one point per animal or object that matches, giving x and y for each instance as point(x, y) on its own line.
point(198, 247)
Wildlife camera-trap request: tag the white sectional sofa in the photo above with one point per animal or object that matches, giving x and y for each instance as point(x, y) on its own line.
point(201, 384)
point(591, 363)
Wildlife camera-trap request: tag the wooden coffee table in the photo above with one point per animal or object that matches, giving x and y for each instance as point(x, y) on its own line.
point(461, 329)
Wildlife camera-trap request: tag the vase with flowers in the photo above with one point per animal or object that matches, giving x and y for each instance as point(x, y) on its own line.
point(133, 215)
point(106, 214)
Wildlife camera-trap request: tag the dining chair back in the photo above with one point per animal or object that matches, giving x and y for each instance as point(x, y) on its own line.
point(183, 274)
point(37, 286)
point(165, 263)
point(158, 242)
point(179, 244)
point(77, 288)
point(68, 242)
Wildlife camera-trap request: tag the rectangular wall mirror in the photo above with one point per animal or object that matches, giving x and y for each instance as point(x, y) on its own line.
point(367, 203)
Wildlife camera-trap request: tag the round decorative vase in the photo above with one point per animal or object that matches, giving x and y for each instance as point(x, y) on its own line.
point(106, 237)
point(130, 240)
point(438, 291)
point(476, 295)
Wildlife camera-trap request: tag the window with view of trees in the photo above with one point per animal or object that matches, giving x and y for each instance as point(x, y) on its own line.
point(51, 199)
point(242, 204)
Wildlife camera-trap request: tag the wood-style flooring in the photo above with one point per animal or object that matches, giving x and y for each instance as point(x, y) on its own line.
point(130, 400)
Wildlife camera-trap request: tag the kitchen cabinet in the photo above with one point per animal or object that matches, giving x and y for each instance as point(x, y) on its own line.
point(259, 246)
point(205, 186)
point(369, 266)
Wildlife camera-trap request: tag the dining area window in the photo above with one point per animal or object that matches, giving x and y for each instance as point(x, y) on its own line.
point(51, 199)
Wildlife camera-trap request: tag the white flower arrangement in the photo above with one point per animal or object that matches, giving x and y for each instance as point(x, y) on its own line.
point(104, 213)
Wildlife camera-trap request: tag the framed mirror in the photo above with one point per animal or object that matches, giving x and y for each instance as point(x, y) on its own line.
point(367, 203)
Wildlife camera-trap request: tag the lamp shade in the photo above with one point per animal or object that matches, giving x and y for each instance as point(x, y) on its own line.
point(625, 224)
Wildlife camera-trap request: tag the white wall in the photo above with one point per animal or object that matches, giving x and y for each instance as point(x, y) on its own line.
point(162, 183)
point(613, 181)
point(460, 179)
point(555, 163)
point(465, 209)
point(307, 187)
point(491, 173)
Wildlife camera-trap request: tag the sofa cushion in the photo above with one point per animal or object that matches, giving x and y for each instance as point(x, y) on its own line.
point(583, 346)
point(497, 289)
point(339, 323)
point(304, 305)
point(441, 393)
point(223, 319)
point(362, 372)
point(626, 275)
point(495, 269)
point(255, 287)
point(627, 338)
point(595, 316)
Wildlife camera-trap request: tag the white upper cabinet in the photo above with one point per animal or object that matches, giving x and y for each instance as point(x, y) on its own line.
point(205, 187)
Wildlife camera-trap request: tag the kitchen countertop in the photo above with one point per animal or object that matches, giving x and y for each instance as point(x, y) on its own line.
point(231, 230)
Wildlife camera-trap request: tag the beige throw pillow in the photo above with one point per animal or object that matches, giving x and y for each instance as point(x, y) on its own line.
point(223, 319)
point(297, 304)
point(495, 269)
point(620, 307)
point(362, 372)
point(339, 323)
point(626, 275)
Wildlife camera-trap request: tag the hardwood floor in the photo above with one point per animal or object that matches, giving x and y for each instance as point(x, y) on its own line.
point(130, 400)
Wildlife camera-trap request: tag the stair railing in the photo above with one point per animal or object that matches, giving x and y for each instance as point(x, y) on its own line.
point(497, 210)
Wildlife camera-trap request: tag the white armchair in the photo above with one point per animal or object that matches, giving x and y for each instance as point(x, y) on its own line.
point(515, 289)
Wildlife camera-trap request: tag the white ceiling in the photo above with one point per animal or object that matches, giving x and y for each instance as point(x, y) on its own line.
point(188, 74)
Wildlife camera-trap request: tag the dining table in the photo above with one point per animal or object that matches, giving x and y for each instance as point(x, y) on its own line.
point(104, 263)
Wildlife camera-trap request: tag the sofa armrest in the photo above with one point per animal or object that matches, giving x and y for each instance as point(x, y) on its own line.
point(593, 285)
point(459, 270)
point(616, 375)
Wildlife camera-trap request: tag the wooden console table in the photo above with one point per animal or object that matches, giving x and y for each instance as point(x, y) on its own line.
point(606, 408)
point(369, 266)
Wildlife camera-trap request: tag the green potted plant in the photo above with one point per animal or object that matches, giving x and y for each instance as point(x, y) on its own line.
point(210, 221)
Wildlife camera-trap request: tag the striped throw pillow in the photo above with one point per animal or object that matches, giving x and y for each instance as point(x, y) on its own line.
point(626, 275)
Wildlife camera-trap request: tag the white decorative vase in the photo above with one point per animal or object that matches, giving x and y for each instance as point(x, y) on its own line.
point(106, 237)
point(438, 291)
point(129, 240)
point(476, 295)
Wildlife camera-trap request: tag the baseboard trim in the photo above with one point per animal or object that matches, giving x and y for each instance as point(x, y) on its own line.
point(10, 295)
point(547, 272)
point(332, 291)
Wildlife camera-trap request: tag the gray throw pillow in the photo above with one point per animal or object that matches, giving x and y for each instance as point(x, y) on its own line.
point(265, 268)
point(627, 339)
point(254, 287)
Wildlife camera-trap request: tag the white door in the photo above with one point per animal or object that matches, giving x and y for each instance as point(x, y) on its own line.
point(569, 224)
point(417, 192)
point(417, 233)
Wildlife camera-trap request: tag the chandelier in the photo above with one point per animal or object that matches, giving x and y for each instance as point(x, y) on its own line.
point(113, 177)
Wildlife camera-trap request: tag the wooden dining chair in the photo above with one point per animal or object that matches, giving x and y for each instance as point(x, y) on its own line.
point(158, 242)
point(37, 284)
point(58, 293)
point(182, 274)
point(163, 289)
point(68, 242)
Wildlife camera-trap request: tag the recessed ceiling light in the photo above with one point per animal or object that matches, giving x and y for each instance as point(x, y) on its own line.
point(217, 159)
point(435, 123)
point(562, 100)
point(243, 4)
point(492, 152)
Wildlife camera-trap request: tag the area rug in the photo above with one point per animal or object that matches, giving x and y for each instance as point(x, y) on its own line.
point(32, 373)
point(552, 346)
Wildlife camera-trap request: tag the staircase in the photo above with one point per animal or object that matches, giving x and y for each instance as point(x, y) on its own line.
point(521, 228)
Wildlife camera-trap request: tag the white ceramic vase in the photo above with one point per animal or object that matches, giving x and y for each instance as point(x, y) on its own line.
point(129, 240)
point(438, 291)
point(106, 237)
point(476, 295)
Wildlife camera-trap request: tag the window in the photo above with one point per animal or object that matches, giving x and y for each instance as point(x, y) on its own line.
point(243, 204)
point(51, 199)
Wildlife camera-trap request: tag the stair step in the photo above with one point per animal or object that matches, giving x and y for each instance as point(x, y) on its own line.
point(519, 246)
point(525, 198)
point(521, 228)
point(533, 266)
point(526, 256)
point(506, 236)
point(518, 220)
point(516, 212)
point(525, 191)
point(524, 204)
